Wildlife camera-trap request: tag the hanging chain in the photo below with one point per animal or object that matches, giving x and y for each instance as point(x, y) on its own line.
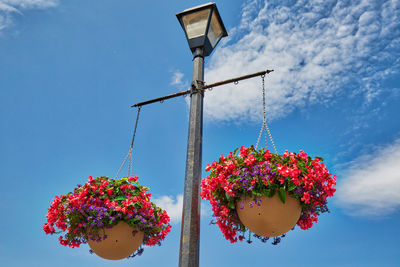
point(129, 155)
point(265, 118)
point(264, 126)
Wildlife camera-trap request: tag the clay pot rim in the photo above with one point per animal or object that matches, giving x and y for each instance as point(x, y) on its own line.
point(253, 195)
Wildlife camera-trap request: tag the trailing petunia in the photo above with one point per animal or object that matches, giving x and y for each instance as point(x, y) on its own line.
point(257, 173)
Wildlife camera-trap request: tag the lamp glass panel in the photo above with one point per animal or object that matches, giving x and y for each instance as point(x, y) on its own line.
point(215, 32)
point(196, 23)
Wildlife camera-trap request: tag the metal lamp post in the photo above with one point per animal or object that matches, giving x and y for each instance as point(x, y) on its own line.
point(204, 29)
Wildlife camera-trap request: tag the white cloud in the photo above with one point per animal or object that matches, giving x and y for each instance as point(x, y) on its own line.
point(30, 3)
point(9, 8)
point(178, 81)
point(315, 47)
point(371, 184)
point(173, 206)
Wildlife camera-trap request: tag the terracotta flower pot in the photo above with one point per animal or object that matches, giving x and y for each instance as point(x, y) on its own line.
point(121, 241)
point(269, 217)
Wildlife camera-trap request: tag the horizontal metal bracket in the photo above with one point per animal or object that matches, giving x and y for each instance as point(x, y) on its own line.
point(201, 86)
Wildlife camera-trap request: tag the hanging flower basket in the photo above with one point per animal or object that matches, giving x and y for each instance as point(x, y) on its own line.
point(266, 193)
point(115, 217)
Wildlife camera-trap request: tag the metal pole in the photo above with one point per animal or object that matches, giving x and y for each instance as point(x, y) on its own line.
point(190, 231)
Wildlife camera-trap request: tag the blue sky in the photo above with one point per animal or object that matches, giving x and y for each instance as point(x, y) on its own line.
point(69, 71)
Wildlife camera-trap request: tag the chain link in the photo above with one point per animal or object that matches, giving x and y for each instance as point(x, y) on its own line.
point(122, 165)
point(129, 155)
point(264, 126)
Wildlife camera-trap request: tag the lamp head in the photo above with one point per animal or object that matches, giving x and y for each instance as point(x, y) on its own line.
point(203, 27)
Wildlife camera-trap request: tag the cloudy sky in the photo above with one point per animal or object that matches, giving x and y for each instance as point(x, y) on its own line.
point(69, 71)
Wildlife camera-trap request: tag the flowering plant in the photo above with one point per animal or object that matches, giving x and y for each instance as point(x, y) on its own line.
point(103, 202)
point(261, 173)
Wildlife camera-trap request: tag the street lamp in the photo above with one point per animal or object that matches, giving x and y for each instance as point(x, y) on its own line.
point(204, 29)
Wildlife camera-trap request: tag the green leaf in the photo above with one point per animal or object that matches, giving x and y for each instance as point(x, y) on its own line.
point(281, 194)
point(292, 186)
point(232, 205)
point(263, 192)
point(270, 193)
point(119, 198)
point(272, 186)
point(235, 152)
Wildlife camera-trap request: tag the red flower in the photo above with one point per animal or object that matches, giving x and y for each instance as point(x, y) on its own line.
point(134, 179)
point(250, 160)
point(306, 197)
point(48, 229)
point(109, 191)
point(244, 151)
